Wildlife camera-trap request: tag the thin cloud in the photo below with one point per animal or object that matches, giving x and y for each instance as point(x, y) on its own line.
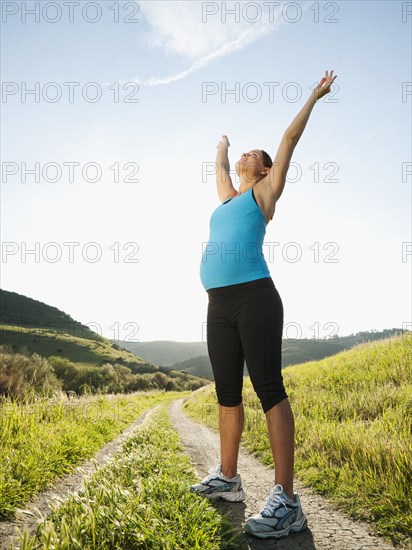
point(177, 29)
point(246, 38)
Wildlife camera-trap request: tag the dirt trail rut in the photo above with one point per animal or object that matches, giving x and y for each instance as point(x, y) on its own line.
point(63, 487)
point(327, 528)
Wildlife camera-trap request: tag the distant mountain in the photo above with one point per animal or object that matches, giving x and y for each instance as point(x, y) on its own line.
point(192, 357)
point(198, 366)
point(165, 352)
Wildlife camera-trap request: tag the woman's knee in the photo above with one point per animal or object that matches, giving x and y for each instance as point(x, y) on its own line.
point(228, 397)
point(270, 397)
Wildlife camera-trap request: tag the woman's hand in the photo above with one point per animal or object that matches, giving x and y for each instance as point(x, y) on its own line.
point(323, 87)
point(224, 140)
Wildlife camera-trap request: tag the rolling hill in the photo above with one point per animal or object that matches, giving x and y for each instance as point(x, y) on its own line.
point(29, 326)
point(16, 309)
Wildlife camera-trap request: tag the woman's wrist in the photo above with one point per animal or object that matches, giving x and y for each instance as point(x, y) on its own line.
point(221, 146)
point(314, 96)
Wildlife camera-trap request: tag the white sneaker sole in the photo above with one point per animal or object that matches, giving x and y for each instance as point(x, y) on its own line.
point(231, 496)
point(294, 528)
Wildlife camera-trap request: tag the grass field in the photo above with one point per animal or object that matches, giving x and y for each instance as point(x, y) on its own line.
point(353, 426)
point(44, 440)
point(140, 500)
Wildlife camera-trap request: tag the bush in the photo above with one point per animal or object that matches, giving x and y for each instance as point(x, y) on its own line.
point(21, 375)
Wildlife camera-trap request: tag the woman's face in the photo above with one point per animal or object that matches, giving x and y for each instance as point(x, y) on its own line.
point(250, 164)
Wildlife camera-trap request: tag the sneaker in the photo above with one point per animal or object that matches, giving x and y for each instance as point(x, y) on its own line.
point(217, 485)
point(280, 516)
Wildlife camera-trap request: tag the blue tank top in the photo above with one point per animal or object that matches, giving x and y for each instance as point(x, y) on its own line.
point(234, 253)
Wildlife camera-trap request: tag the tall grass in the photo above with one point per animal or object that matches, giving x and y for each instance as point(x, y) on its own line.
point(353, 427)
point(45, 439)
point(141, 500)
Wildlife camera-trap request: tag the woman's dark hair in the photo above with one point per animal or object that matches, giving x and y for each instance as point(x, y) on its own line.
point(267, 161)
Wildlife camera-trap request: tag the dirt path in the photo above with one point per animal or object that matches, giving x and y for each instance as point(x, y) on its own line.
point(63, 487)
point(327, 529)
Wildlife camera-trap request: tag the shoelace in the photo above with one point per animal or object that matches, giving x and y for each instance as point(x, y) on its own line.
point(272, 503)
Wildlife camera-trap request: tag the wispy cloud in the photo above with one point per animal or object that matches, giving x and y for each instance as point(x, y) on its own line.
point(184, 29)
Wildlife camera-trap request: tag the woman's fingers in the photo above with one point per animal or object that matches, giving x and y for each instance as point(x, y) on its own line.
point(328, 79)
point(223, 140)
point(324, 85)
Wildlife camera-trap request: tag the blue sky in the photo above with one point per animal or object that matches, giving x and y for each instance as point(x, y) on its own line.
point(148, 234)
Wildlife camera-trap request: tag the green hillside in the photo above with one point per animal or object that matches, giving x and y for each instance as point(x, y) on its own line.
point(85, 351)
point(16, 309)
point(35, 327)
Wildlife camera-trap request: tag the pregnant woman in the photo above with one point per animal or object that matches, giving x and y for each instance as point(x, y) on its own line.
point(245, 322)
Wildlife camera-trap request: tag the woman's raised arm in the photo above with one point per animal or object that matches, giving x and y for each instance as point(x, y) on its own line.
point(295, 130)
point(225, 187)
point(276, 177)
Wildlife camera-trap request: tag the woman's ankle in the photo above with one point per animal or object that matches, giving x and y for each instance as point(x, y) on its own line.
point(229, 473)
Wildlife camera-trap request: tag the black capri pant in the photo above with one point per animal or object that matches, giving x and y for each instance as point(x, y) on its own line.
point(245, 322)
